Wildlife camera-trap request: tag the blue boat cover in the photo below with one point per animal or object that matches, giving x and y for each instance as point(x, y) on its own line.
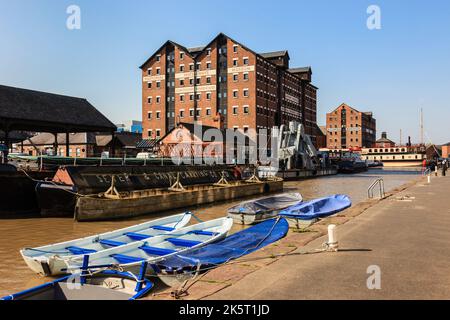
point(319, 208)
point(232, 247)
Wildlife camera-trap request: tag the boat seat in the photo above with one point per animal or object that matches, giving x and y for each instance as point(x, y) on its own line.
point(111, 243)
point(182, 242)
point(137, 236)
point(202, 233)
point(126, 259)
point(163, 228)
point(78, 250)
point(157, 251)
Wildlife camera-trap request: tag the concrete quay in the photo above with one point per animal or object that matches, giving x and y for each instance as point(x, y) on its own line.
point(405, 236)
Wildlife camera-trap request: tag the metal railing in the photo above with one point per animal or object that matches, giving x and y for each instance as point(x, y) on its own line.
point(370, 191)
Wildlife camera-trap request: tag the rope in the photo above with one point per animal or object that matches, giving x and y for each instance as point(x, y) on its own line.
point(195, 217)
point(184, 215)
point(55, 184)
point(183, 289)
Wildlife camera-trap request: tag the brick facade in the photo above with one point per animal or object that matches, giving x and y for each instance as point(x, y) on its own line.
point(350, 128)
point(224, 85)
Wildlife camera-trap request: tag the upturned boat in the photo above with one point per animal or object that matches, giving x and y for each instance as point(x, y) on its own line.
point(129, 257)
point(306, 213)
point(49, 260)
point(253, 211)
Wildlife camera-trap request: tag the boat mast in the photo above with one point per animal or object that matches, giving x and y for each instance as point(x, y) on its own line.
point(421, 127)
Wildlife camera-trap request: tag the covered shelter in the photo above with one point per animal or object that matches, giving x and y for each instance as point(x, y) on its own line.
point(35, 111)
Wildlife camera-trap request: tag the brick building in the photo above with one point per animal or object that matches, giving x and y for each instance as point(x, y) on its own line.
point(224, 85)
point(446, 150)
point(350, 128)
point(83, 144)
point(384, 142)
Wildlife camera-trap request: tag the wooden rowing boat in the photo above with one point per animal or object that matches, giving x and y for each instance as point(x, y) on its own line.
point(129, 257)
point(106, 285)
point(49, 260)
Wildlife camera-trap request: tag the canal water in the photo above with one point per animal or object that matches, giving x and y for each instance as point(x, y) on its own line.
point(20, 233)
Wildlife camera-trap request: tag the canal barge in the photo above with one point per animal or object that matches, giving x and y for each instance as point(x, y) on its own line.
point(128, 191)
point(118, 205)
point(18, 191)
point(406, 156)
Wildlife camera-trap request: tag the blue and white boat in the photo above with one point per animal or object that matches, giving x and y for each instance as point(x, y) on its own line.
point(306, 213)
point(49, 260)
point(129, 257)
point(178, 268)
point(105, 285)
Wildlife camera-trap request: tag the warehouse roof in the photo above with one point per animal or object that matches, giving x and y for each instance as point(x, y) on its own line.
point(274, 54)
point(22, 109)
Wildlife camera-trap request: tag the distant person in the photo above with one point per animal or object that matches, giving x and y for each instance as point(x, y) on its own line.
point(424, 166)
point(444, 167)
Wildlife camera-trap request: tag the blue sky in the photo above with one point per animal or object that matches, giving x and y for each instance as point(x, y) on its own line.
point(392, 72)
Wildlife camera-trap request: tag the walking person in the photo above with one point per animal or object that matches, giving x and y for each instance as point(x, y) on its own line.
point(444, 167)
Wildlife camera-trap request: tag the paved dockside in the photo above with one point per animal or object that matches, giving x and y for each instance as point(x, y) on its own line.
point(406, 235)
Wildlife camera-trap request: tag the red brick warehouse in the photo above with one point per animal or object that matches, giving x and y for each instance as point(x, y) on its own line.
point(224, 85)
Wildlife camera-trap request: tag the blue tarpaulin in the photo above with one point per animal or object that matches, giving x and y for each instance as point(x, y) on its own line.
point(319, 208)
point(232, 247)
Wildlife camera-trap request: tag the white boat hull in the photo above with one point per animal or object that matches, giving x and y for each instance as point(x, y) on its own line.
point(42, 261)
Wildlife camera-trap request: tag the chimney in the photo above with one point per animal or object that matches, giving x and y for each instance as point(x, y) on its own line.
point(383, 135)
